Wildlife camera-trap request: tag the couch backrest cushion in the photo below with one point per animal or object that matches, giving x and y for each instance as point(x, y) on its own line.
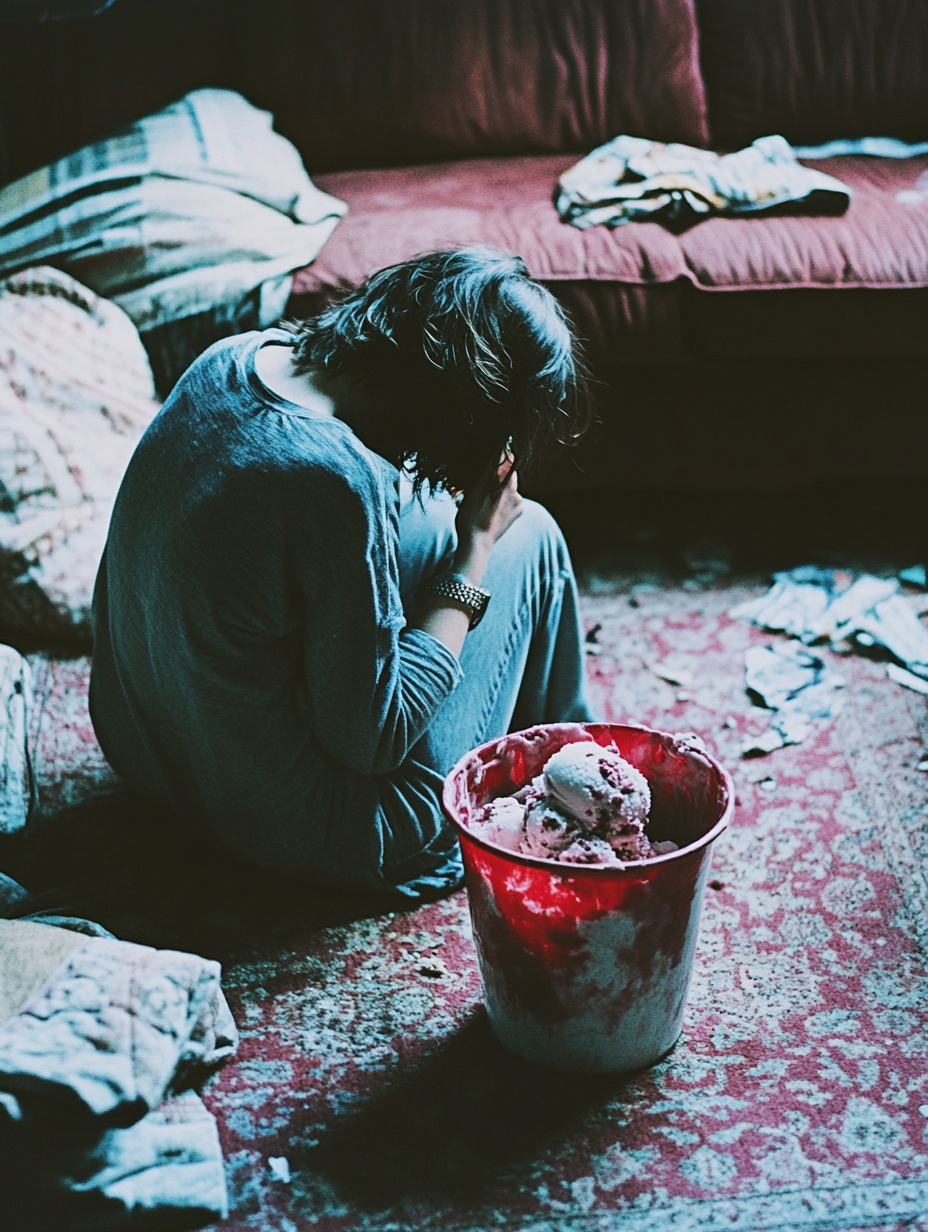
point(358, 83)
point(814, 70)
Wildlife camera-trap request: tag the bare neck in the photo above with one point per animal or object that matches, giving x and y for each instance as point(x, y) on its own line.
point(338, 396)
point(274, 365)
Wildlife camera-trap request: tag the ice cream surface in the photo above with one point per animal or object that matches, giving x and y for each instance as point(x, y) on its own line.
point(502, 822)
point(588, 806)
point(547, 830)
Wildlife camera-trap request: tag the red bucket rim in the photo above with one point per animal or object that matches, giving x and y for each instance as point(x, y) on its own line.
point(726, 793)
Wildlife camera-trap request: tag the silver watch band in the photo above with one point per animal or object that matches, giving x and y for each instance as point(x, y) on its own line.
point(455, 586)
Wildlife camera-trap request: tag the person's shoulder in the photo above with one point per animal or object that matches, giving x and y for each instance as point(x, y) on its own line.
point(220, 363)
point(343, 466)
point(214, 379)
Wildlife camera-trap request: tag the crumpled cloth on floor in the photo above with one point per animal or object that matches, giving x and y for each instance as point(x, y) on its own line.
point(797, 685)
point(189, 208)
point(830, 605)
point(632, 179)
point(101, 1043)
point(165, 1171)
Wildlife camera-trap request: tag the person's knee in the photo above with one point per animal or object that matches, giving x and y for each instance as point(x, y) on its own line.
point(542, 538)
point(531, 558)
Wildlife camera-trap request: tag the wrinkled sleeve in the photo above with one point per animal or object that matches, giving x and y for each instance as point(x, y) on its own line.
point(373, 685)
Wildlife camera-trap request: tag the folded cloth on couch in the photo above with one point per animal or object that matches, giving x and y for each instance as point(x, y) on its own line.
point(194, 206)
point(98, 1039)
point(631, 179)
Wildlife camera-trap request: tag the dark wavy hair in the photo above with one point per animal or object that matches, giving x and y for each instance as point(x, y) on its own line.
point(469, 355)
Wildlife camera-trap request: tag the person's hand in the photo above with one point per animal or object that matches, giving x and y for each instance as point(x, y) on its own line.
point(486, 512)
point(484, 515)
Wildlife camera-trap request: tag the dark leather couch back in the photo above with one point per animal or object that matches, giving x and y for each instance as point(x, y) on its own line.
point(357, 83)
point(814, 70)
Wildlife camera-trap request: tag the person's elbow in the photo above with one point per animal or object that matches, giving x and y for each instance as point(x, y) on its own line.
point(391, 751)
point(383, 753)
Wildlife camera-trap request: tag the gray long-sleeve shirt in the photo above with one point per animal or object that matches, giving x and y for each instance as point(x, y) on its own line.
point(251, 664)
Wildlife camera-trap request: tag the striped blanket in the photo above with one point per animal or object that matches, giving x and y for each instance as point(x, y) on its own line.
point(190, 208)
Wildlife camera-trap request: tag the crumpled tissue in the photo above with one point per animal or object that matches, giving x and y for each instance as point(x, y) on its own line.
point(830, 605)
point(794, 683)
point(827, 606)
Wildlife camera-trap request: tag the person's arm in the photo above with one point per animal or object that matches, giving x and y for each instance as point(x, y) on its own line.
point(373, 686)
point(485, 514)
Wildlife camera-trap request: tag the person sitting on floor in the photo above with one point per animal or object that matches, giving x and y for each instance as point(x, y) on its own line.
point(281, 616)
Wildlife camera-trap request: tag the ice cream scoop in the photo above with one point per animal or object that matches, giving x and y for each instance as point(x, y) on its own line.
point(547, 829)
point(589, 851)
point(588, 806)
point(501, 822)
point(599, 788)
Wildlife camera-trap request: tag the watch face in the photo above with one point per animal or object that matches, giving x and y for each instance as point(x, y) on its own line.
point(483, 598)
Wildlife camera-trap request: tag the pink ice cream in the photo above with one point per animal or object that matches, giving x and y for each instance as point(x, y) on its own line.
point(588, 806)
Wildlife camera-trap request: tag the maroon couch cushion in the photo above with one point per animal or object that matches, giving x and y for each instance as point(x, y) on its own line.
point(398, 212)
point(881, 242)
point(814, 70)
point(621, 287)
point(365, 83)
point(624, 288)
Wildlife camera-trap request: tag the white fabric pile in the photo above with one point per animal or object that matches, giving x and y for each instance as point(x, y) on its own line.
point(102, 1044)
point(797, 685)
point(828, 606)
point(76, 394)
point(632, 179)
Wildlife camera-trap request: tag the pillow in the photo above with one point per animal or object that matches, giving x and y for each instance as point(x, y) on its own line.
point(368, 83)
point(814, 70)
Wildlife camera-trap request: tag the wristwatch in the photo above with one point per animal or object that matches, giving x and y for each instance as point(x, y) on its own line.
point(456, 586)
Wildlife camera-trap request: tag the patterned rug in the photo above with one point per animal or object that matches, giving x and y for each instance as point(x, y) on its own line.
point(797, 1097)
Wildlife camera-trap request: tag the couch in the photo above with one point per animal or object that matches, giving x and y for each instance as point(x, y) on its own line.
point(738, 352)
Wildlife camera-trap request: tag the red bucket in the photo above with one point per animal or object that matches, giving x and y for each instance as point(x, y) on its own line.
point(586, 968)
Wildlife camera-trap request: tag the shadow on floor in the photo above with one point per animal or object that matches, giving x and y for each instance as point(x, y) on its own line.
point(701, 538)
point(127, 864)
point(465, 1118)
